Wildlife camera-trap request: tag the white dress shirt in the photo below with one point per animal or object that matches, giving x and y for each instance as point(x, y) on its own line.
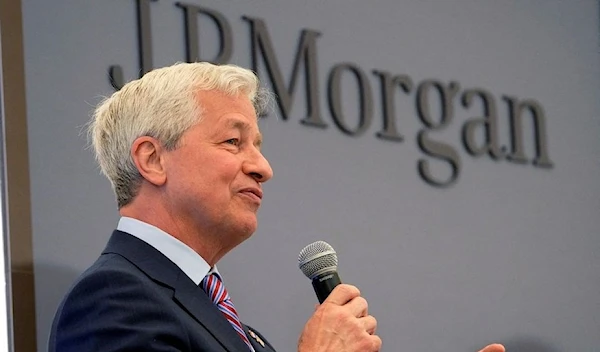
point(190, 262)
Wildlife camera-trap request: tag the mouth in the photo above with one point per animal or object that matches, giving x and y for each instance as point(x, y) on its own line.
point(254, 193)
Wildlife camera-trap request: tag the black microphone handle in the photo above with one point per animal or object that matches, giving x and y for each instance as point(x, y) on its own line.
point(325, 283)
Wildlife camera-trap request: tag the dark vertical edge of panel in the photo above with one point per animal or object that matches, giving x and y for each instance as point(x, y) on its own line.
point(19, 227)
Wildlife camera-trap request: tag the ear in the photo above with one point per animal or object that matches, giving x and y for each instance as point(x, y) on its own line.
point(147, 154)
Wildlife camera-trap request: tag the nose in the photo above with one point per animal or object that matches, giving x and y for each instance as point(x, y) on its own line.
point(258, 167)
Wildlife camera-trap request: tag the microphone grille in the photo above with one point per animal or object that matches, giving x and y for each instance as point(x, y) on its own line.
point(317, 258)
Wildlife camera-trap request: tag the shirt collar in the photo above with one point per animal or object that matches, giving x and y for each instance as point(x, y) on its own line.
point(190, 262)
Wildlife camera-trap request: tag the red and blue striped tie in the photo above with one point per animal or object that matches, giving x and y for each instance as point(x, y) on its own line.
point(214, 288)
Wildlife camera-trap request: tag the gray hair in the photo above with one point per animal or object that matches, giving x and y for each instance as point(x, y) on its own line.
point(162, 104)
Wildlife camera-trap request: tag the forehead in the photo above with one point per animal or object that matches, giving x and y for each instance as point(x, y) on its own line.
point(215, 104)
point(221, 112)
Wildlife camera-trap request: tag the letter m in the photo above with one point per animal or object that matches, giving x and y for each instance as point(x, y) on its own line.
point(306, 54)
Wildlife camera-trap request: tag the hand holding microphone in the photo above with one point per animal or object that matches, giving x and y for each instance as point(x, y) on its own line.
point(341, 323)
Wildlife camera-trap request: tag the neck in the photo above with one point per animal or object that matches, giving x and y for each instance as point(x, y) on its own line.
point(206, 242)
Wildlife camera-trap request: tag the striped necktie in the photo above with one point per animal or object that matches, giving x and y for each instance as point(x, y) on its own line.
point(214, 288)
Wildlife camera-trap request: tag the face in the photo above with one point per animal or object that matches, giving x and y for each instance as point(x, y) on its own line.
point(214, 177)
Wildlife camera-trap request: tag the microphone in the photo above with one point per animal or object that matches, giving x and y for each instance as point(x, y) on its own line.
point(318, 261)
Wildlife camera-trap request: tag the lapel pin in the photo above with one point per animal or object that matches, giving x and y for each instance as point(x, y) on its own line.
point(256, 337)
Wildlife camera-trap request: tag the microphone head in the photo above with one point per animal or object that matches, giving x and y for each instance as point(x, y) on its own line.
point(317, 258)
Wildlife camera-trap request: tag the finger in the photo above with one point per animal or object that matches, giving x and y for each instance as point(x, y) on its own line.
point(342, 294)
point(496, 347)
point(369, 323)
point(375, 343)
point(358, 307)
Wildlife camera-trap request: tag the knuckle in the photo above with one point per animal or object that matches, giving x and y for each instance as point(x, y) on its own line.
point(342, 315)
point(370, 321)
point(373, 320)
point(371, 343)
point(376, 343)
point(349, 290)
point(363, 302)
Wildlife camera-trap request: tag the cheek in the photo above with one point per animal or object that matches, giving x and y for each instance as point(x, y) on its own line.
point(226, 170)
point(210, 174)
point(219, 180)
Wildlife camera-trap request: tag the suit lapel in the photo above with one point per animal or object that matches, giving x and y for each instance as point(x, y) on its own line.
point(259, 343)
point(197, 304)
point(189, 296)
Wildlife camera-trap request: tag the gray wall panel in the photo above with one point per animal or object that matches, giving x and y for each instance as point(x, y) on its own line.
point(509, 253)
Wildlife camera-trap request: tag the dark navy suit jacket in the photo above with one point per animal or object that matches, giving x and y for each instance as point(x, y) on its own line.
point(133, 298)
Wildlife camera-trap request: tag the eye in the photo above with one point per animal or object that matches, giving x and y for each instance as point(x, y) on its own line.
point(233, 141)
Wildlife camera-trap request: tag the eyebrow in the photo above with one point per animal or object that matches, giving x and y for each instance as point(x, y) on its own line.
point(243, 125)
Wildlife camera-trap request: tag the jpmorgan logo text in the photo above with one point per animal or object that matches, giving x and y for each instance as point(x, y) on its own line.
point(436, 102)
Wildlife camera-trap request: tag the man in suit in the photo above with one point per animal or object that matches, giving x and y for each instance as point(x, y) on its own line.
point(181, 148)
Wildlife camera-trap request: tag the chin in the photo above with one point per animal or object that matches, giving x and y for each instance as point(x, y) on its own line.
point(247, 227)
point(237, 227)
point(247, 231)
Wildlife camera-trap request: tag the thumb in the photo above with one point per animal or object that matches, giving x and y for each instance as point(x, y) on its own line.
point(495, 347)
point(342, 294)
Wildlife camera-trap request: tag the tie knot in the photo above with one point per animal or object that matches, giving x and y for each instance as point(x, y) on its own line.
point(214, 288)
